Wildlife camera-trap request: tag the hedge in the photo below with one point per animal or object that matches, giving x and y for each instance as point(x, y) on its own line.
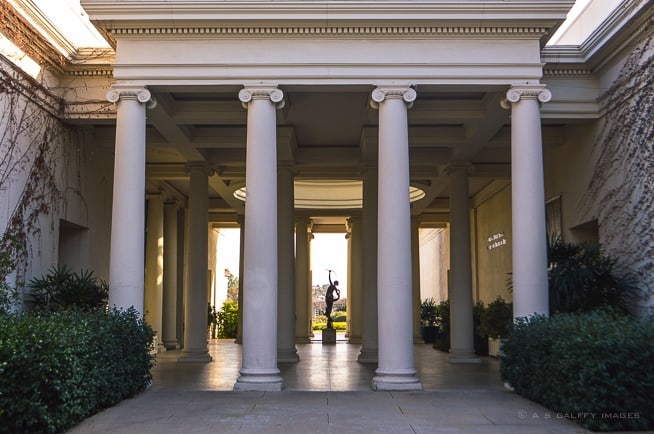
point(338, 326)
point(58, 368)
point(599, 365)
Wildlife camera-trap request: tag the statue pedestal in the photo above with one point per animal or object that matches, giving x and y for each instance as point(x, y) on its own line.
point(329, 336)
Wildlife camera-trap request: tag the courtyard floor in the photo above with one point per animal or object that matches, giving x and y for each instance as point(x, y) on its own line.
point(328, 391)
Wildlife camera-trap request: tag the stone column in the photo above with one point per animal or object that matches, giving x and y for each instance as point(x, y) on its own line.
point(286, 351)
point(369, 341)
point(415, 273)
point(529, 236)
point(182, 262)
point(195, 298)
point(169, 326)
point(395, 370)
point(126, 277)
point(354, 294)
point(302, 283)
point(259, 366)
point(462, 348)
point(154, 245)
point(241, 253)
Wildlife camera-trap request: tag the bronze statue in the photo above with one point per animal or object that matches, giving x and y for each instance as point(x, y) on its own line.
point(330, 298)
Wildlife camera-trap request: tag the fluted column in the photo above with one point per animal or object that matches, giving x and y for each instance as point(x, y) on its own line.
point(126, 277)
point(395, 369)
point(259, 363)
point(529, 236)
point(195, 298)
point(169, 326)
point(302, 282)
point(415, 273)
point(369, 341)
point(154, 245)
point(286, 351)
point(462, 348)
point(354, 294)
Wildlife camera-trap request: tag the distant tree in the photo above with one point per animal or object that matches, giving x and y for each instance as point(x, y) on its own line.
point(232, 286)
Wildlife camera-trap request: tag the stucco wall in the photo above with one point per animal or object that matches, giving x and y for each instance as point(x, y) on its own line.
point(605, 170)
point(50, 171)
point(434, 263)
point(492, 246)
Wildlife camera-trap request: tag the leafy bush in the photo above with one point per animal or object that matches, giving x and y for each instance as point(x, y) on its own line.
point(496, 319)
point(8, 295)
point(339, 317)
point(61, 288)
point(442, 342)
point(582, 278)
point(57, 368)
point(600, 364)
point(429, 312)
point(227, 320)
point(338, 326)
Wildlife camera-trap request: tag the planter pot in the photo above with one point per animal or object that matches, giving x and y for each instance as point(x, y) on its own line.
point(494, 347)
point(429, 333)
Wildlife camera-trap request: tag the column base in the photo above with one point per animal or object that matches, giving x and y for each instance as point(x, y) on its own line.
point(418, 340)
point(396, 379)
point(368, 355)
point(191, 356)
point(302, 340)
point(287, 356)
point(238, 340)
point(463, 357)
point(354, 340)
point(259, 380)
point(171, 345)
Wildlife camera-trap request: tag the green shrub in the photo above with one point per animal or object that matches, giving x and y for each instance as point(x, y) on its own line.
point(496, 319)
point(61, 288)
point(339, 317)
point(338, 326)
point(227, 320)
point(598, 362)
point(57, 368)
point(442, 342)
point(582, 278)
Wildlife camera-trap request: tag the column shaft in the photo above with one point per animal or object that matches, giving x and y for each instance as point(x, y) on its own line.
point(396, 368)
point(530, 287)
point(259, 362)
point(195, 300)
point(415, 273)
point(302, 283)
point(153, 299)
point(286, 351)
point(369, 341)
point(126, 277)
point(241, 271)
point(354, 290)
point(169, 326)
point(462, 348)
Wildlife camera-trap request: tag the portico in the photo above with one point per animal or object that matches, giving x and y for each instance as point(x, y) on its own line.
point(396, 95)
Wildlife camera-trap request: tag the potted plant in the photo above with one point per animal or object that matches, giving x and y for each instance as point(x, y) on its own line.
point(429, 320)
point(496, 322)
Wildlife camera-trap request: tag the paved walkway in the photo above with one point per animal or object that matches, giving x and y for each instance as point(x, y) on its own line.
point(328, 391)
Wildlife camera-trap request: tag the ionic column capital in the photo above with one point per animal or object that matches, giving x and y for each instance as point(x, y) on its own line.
point(526, 92)
point(383, 93)
point(140, 94)
point(261, 92)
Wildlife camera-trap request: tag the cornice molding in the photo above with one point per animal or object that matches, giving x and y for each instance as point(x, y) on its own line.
point(16, 28)
point(338, 31)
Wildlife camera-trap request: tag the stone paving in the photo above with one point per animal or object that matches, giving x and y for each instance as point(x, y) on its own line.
point(328, 391)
